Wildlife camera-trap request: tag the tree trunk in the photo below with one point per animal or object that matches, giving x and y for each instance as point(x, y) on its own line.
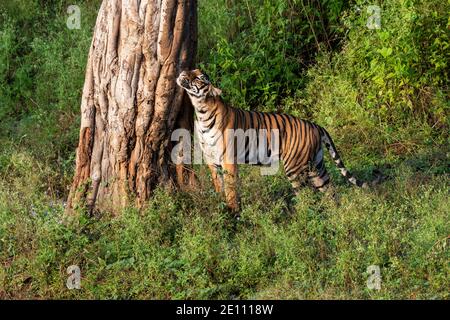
point(131, 103)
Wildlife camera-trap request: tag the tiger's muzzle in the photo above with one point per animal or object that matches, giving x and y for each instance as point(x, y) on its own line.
point(183, 80)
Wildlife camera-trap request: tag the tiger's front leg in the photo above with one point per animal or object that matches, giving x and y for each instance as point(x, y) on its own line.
point(216, 178)
point(231, 180)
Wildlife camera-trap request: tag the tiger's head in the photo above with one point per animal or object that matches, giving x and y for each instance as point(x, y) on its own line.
point(197, 84)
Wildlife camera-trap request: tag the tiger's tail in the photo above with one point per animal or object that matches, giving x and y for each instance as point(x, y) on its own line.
point(326, 139)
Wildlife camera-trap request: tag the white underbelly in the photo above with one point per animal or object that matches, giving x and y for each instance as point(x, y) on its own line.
point(211, 143)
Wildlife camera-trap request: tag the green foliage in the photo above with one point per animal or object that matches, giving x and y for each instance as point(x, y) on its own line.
point(383, 94)
point(42, 73)
point(177, 249)
point(257, 50)
point(385, 91)
point(7, 48)
point(400, 63)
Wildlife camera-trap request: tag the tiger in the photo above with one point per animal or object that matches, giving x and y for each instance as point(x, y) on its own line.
point(299, 141)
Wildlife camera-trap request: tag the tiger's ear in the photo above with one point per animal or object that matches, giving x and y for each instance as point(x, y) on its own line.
point(215, 92)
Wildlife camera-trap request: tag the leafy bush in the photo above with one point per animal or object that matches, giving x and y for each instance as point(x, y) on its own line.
point(257, 50)
point(7, 48)
point(385, 91)
point(399, 65)
point(41, 78)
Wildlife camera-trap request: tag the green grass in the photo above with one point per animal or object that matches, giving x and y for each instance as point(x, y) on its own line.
point(186, 245)
point(382, 94)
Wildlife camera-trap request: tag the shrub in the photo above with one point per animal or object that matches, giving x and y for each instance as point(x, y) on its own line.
point(257, 50)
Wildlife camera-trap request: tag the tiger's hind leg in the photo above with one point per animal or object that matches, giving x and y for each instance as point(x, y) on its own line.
point(320, 179)
point(318, 175)
point(296, 185)
point(297, 179)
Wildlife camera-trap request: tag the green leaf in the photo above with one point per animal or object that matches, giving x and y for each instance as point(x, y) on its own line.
point(385, 52)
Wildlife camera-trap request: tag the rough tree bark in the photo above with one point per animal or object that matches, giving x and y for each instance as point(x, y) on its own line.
point(131, 103)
